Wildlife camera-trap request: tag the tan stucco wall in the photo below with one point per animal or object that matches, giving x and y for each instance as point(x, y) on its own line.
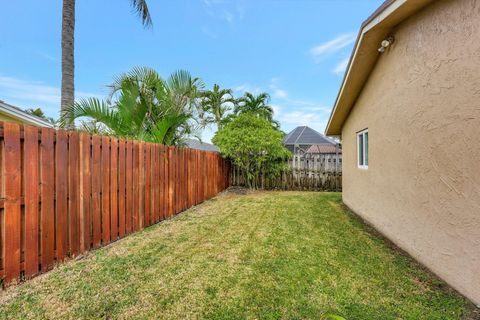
point(422, 108)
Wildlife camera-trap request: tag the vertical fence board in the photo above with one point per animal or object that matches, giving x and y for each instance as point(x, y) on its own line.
point(32, 184)
point(168, 163)
point(47, 174)
point(163, 182)
point(180, 180)
point(172, 159)
point(148, 172)
point(173, 180)
point(114, 189)
point(74, 192)
point(61, 187)
point(156, 189)
point(105, 190)
point(85, 192)
point(128, 186)
point(96, 189)
point(141, 185)
point(204, 178)
point(135, 183)
point(156, 183)
point(155, 200)
point(160, 170)
point(195, 152)
point(13, 189)
point(190, 171)
point(184, 179)
point(121, 188)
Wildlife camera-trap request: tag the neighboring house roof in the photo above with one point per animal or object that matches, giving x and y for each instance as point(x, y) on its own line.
point(23, 116)
point(195, 144)
point(305, 136)
point(323, 149)
point(365, 55)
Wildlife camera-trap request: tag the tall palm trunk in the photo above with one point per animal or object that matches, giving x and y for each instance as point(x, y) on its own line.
point(68, 64)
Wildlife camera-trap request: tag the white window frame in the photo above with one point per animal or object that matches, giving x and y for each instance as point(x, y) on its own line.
point(365, 154)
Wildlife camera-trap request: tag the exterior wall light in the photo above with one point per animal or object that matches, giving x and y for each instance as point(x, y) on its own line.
point(385, 44)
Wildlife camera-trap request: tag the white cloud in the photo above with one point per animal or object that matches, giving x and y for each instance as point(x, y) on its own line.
point(309, 106)
point(340, 42)
point(27, 94)
point(291, 112)
point(208, 32)
point(341, 67)
point(225, 10)
point(241, 89)
point(276, 109)
point(303, 118)
point(47, 56)
point(302, 113)
point(277, 91)
point(227, 16)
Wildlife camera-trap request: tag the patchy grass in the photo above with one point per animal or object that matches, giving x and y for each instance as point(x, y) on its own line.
point(268, 255)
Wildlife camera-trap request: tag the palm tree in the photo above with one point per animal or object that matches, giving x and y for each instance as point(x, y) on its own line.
point(38, 112)
point(257, 105)
point(216, 103)
point(68, 37)
point(144, 106)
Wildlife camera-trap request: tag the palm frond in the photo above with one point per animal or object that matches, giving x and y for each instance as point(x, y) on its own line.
point(93, 108)
point(141, 8)
point(144, 106)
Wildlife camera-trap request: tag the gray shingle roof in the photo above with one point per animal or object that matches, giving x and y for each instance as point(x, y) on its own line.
point(305, 135)
point(195, 144)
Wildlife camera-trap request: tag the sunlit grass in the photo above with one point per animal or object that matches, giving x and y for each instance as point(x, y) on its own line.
point(267, 255)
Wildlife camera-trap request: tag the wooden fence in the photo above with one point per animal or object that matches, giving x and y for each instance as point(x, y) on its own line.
point(294, 179)
point(64, 193)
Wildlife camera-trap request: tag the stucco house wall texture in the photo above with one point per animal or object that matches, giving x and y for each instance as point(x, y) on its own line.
point(421, 105)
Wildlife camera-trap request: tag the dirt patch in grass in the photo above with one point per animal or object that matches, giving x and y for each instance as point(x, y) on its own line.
point(237, 191)
point(261, 255)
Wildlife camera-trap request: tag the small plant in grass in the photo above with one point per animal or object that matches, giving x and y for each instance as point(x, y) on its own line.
point(254, 145)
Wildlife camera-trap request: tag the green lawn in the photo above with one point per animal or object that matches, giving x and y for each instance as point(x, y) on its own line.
point(266, 255)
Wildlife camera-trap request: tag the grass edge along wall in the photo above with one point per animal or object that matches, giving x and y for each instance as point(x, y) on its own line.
point(64, 193)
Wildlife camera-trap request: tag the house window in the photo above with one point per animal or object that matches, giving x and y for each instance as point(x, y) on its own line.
point(362, 149)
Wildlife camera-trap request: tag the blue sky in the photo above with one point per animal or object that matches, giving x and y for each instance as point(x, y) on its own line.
point(296, 50)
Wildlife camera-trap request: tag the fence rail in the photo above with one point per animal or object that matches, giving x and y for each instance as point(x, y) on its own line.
point(64, 193)
point(294, 179)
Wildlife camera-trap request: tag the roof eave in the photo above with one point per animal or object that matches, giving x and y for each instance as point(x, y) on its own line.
point(24, 116)
point(376, 28)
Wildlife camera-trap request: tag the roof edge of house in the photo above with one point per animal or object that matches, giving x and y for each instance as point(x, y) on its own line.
point(22, 115)
point(365, 55)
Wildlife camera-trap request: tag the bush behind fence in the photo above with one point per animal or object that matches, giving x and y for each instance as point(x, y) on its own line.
point(65, 193)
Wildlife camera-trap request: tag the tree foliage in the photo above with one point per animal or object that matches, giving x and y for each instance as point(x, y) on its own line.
point(258, 105)
point(144, 106)
point(254, 146)
point(216, 104)
point(38, 112)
